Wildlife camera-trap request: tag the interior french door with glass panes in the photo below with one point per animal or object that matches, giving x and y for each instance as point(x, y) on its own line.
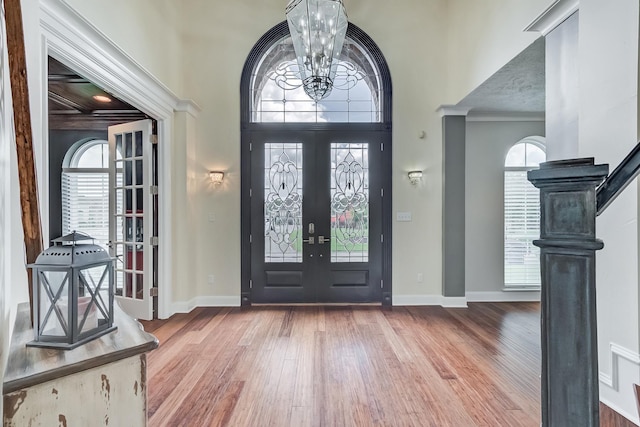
point(316, 210)
point(130, 222)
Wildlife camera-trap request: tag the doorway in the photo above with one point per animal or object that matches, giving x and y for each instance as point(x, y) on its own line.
point(104, 188)
point(316, 178)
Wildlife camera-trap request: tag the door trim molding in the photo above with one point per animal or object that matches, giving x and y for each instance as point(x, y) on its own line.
point(385, 128)
point(71, 39)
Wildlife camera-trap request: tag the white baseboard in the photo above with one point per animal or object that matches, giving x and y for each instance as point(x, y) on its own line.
point(454, 302)
point(633, 417)
point(616, 389)
point(206, 301)
point(511, 296)
point(406, 300)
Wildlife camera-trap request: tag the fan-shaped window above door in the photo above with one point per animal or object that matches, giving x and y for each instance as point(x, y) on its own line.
point(277, 95)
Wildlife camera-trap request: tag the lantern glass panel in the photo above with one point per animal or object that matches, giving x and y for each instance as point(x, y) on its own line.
point(54, 309)
point(93, 297)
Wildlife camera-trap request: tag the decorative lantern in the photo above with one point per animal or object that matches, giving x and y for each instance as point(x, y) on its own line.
point(72, 293)
point(318, 29)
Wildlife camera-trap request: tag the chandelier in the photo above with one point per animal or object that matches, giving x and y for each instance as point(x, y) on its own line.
point(318, 29)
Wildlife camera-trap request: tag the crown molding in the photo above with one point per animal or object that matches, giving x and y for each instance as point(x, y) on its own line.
point(553, 16)
point(188, 106)
point(505, 116)
point(452, 110)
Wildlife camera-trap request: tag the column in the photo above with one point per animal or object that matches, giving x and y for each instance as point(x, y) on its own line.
point(567, 244)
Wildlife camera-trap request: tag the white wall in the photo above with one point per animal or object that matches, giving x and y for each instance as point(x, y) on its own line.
point(144, 29)
point(608, 60)
point(562, 90)
point(482, 36)
point(487, 146)
point(213, 64)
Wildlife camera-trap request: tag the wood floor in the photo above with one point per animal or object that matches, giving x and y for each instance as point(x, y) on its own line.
point(347, 366)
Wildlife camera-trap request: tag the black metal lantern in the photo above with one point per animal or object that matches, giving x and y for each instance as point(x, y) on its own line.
point(72, 293)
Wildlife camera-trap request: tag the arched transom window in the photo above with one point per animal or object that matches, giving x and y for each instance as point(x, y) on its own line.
point(522, 215)
point(277, 95)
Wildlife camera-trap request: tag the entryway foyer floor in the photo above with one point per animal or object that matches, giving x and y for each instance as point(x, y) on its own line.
point(347, 366)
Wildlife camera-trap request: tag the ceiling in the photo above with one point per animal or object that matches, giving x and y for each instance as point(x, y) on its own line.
point(518, 87)
point(72, 104)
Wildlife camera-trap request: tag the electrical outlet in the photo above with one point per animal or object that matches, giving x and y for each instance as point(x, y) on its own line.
point(420, 278)
point(212, 217)
point(211, 279)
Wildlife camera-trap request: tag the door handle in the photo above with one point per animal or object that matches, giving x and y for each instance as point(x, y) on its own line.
point(312, 228)
point(310, 240)
point(322, 240)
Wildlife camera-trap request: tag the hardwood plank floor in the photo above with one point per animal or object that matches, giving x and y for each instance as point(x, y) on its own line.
point(347, 366)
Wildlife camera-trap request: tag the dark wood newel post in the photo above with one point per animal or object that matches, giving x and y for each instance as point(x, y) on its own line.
point(568, 300)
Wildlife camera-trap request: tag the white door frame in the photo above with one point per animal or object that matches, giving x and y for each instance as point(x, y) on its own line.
point(71, 39)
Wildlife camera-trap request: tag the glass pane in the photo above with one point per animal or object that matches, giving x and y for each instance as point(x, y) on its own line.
point(128, 229)
point(516, 156)
point(128, 285)
point(119, 150)
point(54, 300)
point(128, 201)
point(128, 152)
point(283, 202)
point(138, 144)
point(139, 172)
point(96, 156)
point(138, 285)
point(128, 172)
point(139, 234)
point(139, 201)
point(535, 155)
point(92, 305)
point(119, 202)
point(277, 87)
point(349, 202)
point(119, 227)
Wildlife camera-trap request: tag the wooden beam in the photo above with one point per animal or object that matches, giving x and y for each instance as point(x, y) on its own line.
point(24, 138)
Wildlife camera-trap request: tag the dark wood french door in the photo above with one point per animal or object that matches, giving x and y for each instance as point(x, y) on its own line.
point(316, 217)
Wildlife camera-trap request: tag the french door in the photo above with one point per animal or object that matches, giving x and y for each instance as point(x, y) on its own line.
point(316, 217)
point(131, 215)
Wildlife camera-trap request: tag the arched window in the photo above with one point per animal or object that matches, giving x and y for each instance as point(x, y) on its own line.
point(85, 189)
point(522, 215)
point(277, 95)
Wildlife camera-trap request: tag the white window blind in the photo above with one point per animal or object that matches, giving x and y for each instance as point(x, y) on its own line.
point(522, 215)
point(521, 227)
point(85, 203)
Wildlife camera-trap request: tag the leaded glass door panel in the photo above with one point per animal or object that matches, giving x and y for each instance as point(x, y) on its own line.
point(315, 217)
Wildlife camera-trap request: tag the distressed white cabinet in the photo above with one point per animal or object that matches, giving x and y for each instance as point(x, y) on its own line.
point(102, 382)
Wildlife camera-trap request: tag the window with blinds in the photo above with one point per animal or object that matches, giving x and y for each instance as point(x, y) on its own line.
point(522, 216)
point(85, 203)
point(85, 191)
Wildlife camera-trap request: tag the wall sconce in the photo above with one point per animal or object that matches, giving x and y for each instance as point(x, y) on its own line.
point(216, 177)
point(415, 177)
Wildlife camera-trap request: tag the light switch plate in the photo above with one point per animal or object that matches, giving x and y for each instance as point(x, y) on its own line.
point(403, 216)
